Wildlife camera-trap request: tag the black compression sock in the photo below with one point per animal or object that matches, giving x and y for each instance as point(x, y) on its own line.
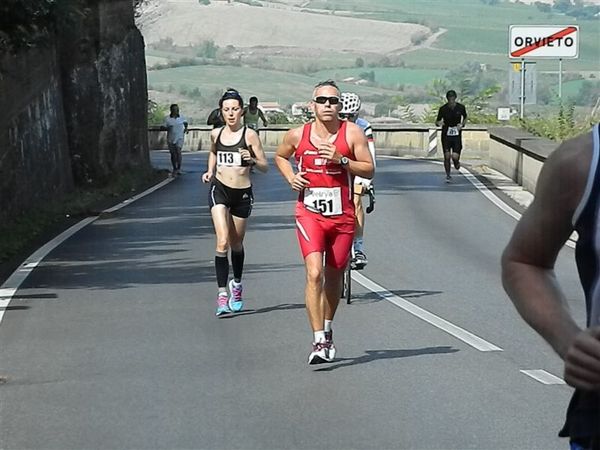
point(237, 261)
point(222, 270)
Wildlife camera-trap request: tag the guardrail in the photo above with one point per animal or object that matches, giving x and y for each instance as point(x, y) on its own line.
point(412, 140)
point(513, 152)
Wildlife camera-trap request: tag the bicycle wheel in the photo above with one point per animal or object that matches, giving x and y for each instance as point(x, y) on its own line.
point(347, 289)
point(343, 293)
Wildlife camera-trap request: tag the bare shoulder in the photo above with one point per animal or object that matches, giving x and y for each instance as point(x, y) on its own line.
point(293, 135)
point(565, 172)
point(353, 132)
point(251, 136)
point(352, 127)
point(290, 142)
point(570, 162)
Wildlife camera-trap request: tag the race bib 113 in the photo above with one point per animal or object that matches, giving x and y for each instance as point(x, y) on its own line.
point(229, 159)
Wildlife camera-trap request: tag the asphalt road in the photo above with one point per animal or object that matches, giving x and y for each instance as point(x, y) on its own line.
point(112, 342)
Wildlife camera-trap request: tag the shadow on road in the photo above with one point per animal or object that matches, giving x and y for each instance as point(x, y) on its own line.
point(375, 355)
point(15, 308)
point(268, 309)
point(374, 297)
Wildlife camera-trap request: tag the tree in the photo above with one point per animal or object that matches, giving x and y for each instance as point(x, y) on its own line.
point(588, 94)
point(543, 7)
point(277, 117)
point(370, 76)
point(562, 5)
point(156, 113)
point(208, 49)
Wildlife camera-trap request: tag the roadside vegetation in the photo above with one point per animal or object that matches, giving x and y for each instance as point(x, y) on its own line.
point(22, 235)
point(467, 56)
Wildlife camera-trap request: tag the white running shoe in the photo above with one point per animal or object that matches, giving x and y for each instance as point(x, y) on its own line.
point(329, 339)
point(320, 353)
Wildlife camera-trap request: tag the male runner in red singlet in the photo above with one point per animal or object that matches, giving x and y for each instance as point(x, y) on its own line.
point(328, 153)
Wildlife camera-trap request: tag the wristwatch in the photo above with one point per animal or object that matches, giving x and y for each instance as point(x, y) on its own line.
point(344, 161)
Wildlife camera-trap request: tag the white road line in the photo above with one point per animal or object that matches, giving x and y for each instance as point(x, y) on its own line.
point(543, 377)
point(138, 196)
point(12, 284)
point(456, 331)
point(499, 203)
point(488, 194)
point(571, 242)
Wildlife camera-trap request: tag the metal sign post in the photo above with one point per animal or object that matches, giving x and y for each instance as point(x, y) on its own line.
point(522, 85)
point(559, 77)
point(522, 96)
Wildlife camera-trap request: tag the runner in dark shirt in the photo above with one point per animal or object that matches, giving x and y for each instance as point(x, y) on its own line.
point(452, 117)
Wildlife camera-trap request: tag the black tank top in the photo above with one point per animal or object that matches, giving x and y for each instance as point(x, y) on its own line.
point(227, 154)
point(583, 415)
point(220, 147)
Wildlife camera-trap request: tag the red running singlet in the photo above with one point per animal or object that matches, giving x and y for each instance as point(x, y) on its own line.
point(325, 210)
point(329, 193)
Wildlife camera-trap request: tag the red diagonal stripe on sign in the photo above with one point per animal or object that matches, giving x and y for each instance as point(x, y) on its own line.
point(543, 42)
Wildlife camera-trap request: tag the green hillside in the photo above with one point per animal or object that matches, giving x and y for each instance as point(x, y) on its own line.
point(284, 87)
point(472, 25)
point(390, 77)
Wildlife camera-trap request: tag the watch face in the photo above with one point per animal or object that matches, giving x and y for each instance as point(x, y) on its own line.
point(344, 161)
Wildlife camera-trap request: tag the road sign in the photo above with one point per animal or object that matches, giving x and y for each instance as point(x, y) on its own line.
point(503, 113)
point(544, 41)
point(528, 85)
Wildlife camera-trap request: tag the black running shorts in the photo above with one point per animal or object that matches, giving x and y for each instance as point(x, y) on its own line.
point(452, 144)
point(239, 201)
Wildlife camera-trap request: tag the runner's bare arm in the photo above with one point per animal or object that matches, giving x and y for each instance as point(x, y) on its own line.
point(262, 116)
point(463, 122)
point(528, 260)
point(363, 166)
point(212, 158)
point(259, 158)
point(282, 159)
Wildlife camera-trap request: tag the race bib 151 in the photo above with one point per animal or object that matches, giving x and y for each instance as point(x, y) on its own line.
point(325, 201)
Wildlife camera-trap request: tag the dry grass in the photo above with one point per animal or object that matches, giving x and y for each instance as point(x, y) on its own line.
point(240, 25)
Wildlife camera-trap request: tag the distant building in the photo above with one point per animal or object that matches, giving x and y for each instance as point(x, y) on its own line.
point(299, 109)
point(271, 107)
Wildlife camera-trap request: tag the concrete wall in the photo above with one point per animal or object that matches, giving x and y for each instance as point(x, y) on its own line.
point(35, 165)
point(104, 86)
point(73, 111)
point(513, 152)
point(519, 155)
point(400, 141)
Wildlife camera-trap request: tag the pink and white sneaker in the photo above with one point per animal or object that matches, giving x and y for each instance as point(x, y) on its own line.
point(236, 303)
point(222, 304)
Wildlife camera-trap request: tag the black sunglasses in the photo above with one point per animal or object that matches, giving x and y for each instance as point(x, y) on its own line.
point(347, 116)
point(322, 99)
